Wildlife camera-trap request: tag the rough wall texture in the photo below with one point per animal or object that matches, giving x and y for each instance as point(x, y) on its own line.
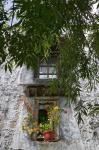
point(90, 128)
point(9, 104)
point(10, 112)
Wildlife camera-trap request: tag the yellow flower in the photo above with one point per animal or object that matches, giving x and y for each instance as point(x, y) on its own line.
point(56, 108)
point(30, 131)
point(40, 125)
point(35, 123)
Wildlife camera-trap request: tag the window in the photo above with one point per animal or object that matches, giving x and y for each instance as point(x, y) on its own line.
point(47, 71)
point(42, 105)
point(42, 116)
point(39, 107)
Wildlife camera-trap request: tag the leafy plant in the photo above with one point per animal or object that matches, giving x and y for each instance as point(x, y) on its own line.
point(30, 126)
point(94, 109)
point(81, 110)
point(45, 127)
point(54, 116)
point(53, 119)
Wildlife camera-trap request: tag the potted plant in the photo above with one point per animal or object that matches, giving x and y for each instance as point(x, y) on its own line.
point(49, 129)
point(54, 116)
point(30, 126)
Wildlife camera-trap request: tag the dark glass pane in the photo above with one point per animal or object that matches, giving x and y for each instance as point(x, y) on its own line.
point(43, 116)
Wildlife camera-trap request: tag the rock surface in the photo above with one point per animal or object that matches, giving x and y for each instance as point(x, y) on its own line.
point(9, 105)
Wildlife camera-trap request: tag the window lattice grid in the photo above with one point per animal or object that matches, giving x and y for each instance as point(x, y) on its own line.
point(47, 71)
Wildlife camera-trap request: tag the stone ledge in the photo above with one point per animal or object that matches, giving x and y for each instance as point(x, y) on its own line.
point(60, 145)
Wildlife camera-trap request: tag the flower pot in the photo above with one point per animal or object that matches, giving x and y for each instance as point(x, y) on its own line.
point(34, 137)
point(49, 135)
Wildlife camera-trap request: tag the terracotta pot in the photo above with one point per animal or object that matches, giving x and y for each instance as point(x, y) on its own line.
point(49, 135)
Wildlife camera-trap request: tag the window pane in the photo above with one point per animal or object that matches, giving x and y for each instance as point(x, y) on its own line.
point(42, 76)
point(52, 70)
point(43, 70)
point(52, 76)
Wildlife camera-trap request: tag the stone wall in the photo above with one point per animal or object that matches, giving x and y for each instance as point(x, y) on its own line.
point(11, 110)
point(9, 103)
point(90, 128)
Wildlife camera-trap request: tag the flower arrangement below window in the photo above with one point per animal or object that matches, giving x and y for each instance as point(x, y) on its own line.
point(30, 126)
point(46, 130)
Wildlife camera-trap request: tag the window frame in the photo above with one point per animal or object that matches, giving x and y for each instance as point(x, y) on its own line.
point(48, 73)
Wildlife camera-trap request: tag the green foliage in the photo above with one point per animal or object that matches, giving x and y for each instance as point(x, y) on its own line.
point(45, 127)
point(30, 126)
point(81, 111)
point(94, 109)
point(54, 87)
point(53, 119)
point(3, 19)
point(30, 27)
